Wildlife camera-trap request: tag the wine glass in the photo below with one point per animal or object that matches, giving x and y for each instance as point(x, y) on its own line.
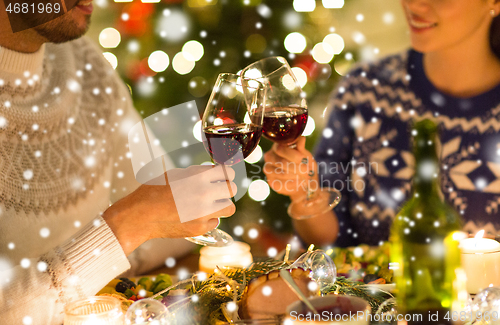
point(232, 126)
point(285, 118)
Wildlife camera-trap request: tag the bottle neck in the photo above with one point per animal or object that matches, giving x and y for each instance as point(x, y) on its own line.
point(426, 180)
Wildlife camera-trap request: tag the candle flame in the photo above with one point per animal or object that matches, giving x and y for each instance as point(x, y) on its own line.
point(479, 234)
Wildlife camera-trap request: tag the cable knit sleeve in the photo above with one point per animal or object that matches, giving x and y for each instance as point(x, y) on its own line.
point(36, 291)
point(63, 159)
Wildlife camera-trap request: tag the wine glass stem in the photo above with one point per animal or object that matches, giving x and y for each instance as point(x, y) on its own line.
point(227, 180)
point(310, 173)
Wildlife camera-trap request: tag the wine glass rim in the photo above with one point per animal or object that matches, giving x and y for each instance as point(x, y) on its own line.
point(285, 65)
point(237, 77)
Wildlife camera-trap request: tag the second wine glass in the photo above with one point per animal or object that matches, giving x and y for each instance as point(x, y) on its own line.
point(285, 119)
point(232, 126)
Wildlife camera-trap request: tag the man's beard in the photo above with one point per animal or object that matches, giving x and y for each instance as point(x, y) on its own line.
point(63, 29)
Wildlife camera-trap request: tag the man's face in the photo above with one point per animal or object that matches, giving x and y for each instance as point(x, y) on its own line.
point(67, 27)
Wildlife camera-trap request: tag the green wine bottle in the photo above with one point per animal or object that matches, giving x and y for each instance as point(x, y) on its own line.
point(424, 239)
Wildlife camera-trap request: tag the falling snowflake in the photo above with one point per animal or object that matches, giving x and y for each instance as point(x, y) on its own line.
point(272, 252)
point(3, 122)
point(73, 85)
point(253, 233)
point(238, 230)
point(327, 133)
point(28, 174)
point(427, 169)
point(170, 262)
point(41, 266)
point(25, 263)
point(44, 232)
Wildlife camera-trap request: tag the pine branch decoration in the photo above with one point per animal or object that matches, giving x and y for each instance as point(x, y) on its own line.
point(229, 284)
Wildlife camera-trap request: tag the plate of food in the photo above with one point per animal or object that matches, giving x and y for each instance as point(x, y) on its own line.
point(368, 264)
point(129, 290)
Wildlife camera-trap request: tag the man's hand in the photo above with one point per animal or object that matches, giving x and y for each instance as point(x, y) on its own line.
point(189, 205)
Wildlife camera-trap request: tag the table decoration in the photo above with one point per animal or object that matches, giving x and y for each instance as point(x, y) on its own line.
point(324, 271)
point(128, 291)
point(204, 299)
point(236, 255)
point(146, 312)
point(94, 311)
point(481, 262)
point(218, 298)
point(486, 307)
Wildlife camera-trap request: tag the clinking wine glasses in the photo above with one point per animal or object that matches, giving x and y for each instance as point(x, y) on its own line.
point(232, 126)
point(285, 118)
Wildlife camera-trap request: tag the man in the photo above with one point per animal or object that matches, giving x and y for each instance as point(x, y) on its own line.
point(64, 119)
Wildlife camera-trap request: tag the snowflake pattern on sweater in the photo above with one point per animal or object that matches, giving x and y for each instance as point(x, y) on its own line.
point(365, 148)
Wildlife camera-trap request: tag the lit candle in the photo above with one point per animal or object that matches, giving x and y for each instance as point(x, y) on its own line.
point(481, 262)
point(235, 255)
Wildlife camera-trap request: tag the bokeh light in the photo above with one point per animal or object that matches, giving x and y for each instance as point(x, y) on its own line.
point(264, 11)
point(174, 25)
point(322, 53)
point(358, 37)
point(304, 5)
point(111, 59)
point(388, 18)
point(259, 190)
point(255, 156)
point(335, 41)
point(256, 43)
point(194, 50)
point(133, 46)
point(197, 131)
point(295, 42)
point(109, 38)
point(292, 20)
point(198, 86)
point(158, 61)
point(301, 76)
point(310, 126)
point(181, 64)
point(333, 4)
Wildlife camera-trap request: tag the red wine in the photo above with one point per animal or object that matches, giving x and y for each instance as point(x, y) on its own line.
point(225, 141)
point(284, 124)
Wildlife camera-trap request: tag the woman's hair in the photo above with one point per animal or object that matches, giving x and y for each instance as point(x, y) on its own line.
point(495, 36)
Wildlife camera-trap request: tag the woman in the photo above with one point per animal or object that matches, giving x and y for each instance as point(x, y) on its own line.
point(452, 75)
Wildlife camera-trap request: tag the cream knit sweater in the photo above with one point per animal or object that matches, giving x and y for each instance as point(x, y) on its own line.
point(64, 119)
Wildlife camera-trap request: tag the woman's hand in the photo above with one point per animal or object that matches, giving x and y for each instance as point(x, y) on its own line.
point(287, 169)
point(189, 205)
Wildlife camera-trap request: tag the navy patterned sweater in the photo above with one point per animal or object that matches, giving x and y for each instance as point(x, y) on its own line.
point(365, 149)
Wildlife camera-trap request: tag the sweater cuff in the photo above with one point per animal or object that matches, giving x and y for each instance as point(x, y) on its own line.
point(95, 256)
